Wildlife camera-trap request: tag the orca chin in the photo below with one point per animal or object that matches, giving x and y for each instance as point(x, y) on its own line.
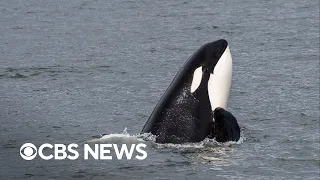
point(185, 111)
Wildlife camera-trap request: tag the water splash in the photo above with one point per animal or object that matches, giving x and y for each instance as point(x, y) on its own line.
point(125, 137)
point(118, 137)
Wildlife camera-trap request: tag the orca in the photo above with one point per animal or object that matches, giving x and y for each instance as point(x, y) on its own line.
point(185, 113)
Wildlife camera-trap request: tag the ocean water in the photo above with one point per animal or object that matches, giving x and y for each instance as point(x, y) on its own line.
point(71, 71)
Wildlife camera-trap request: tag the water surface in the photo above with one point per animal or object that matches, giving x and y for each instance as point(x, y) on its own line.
point(72, 70)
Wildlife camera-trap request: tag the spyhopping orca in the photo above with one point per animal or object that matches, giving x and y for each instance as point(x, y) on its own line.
point(198, 93)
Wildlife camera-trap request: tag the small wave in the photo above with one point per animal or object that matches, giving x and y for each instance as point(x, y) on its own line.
point(27, 72)
point(207, 145)
point(125, 137)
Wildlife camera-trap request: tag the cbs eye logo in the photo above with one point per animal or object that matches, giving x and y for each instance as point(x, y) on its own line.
point(28, 151)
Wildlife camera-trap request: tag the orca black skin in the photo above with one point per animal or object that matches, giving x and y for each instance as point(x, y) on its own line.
point(226, 127)
point(182, 116)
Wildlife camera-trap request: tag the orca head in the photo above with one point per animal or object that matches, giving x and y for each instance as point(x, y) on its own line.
point(201, 85)
point(212, 53)
point(213, 65)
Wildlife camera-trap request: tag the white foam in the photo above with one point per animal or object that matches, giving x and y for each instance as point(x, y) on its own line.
point(124, 136)
point(148, 137)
